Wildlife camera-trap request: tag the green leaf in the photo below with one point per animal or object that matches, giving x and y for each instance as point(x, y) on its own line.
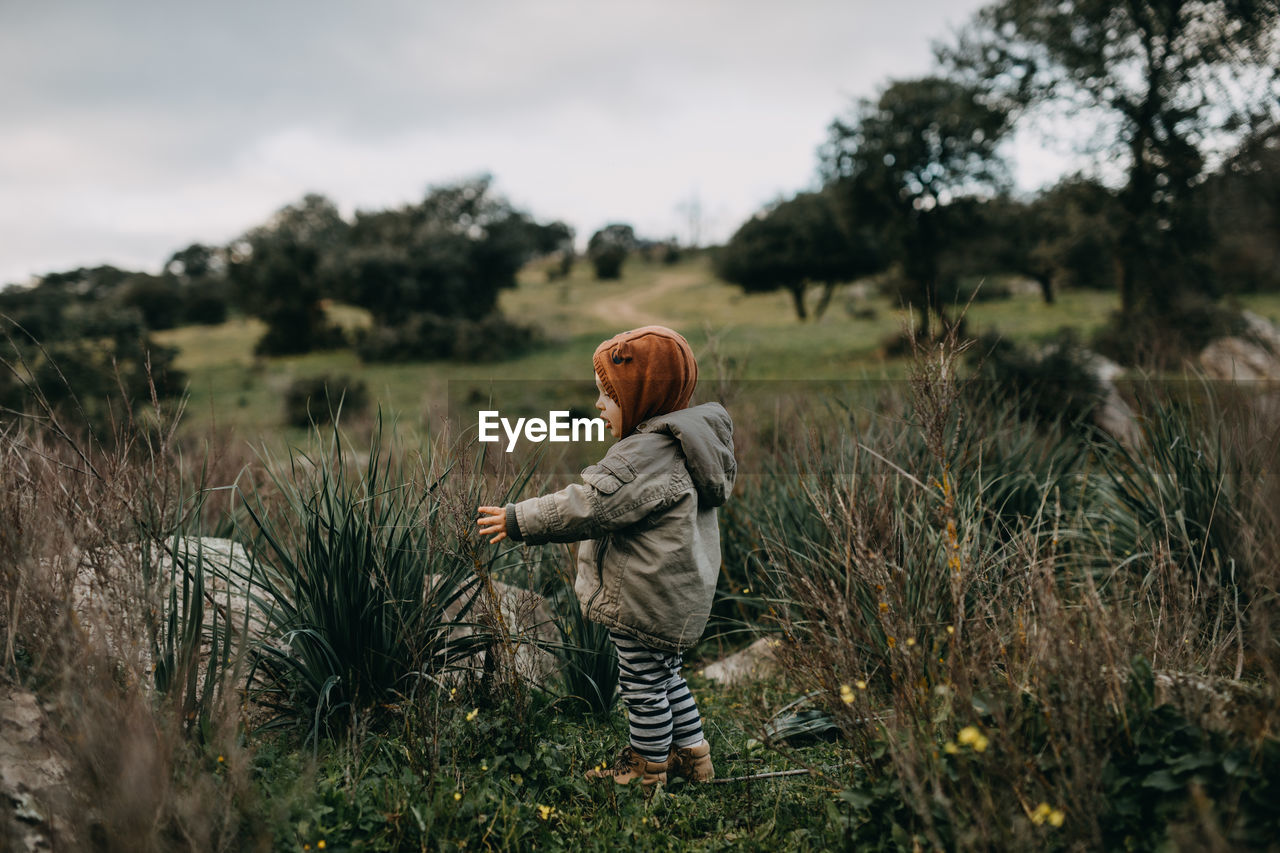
point(1162, 780)
point(857, 799)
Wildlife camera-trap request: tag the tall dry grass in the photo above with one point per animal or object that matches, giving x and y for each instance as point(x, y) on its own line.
point(1018, 667)
point(110, 638)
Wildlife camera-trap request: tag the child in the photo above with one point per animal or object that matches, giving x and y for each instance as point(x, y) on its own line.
point(649, 565)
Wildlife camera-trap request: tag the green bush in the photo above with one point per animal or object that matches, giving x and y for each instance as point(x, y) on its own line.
point(96, 384)
point(207, 306)
point(319, 399)
point(492, 338)
point(608, 261)
point(609, 248)
point(431, 337)
point(1053, 387)
point(1164, 338)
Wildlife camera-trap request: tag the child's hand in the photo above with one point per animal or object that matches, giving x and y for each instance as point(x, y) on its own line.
point(493, 520)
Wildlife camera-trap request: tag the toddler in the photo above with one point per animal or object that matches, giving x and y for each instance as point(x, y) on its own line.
point(651, 556)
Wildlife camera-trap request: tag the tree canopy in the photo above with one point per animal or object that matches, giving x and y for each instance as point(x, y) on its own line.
point(1175, 75)
point(794, 244)
point(448, 255)
point(608, 249)
point(279, 272)
point(905, 160)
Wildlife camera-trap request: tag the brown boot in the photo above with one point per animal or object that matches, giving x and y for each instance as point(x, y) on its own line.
point(631, 765)
point(692, 762)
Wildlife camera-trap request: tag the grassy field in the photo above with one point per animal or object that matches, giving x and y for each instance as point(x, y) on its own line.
point(752, 336)
point(1012, 635)
point(747, 337)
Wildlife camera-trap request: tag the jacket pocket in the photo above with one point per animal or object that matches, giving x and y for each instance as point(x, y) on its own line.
point(608, 475)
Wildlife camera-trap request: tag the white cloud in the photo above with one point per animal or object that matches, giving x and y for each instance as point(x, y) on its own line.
point(156, 125)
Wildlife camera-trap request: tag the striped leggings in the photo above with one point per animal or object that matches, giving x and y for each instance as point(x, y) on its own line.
point(660, 708)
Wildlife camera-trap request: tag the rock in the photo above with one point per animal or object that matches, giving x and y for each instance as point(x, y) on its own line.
point(756, 662)
point(1237, 359)
point(107, 592)
point(103, 586)
point(1262, 330)
point(1113, 415)
point(527, 619)
point(32, 777)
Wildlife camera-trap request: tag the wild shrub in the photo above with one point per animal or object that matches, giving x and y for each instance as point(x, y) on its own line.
point(320, 399)
point(371, 588)
point(130, 657)
point(430, 337)
point(1054, 387)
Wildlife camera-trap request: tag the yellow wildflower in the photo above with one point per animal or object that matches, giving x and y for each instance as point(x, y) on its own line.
point(1056, 817)
point(969, 735)
point(545, 812)
point(911, 641)
point(457, 795)
point(471, 715)
point(1041, 814)
point(484, 766)
point(892, 642)
point(884, 607)
point(221, 759)
point(951, 629)
point(860, 684)
point(950, 748)
point(846, 694)
point(320, 844)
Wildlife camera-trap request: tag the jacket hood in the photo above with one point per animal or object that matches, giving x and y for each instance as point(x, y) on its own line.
point(705, 433)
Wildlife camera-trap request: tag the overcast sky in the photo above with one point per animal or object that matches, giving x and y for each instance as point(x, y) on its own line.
point(131, 129)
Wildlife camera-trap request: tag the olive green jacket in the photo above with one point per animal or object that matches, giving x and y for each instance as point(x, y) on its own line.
point(647, 511)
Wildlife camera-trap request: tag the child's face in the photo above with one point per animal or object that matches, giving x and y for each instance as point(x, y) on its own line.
point(609, 411)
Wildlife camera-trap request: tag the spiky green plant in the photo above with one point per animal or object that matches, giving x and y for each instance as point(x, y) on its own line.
point(587, 655)
point(193, 640)
point(1177, 490)
point(369, 584)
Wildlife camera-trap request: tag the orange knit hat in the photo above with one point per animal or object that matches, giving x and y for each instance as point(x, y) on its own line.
point(647, 371)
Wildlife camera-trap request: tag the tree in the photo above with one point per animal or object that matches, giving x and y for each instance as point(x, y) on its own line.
point(448, 255)
point(195, 262)
point(156, 297)
point(1166, 70)
point(906, 160)
point(1065, 235)
point(1243, 199)
point(279, 272)
point(201, 273)
point(608, 249)
point(795, 244)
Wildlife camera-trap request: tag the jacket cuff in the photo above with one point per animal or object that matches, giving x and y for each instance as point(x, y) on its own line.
point(513, 526)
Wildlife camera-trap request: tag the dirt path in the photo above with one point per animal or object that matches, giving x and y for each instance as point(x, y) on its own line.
point(625, 310)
